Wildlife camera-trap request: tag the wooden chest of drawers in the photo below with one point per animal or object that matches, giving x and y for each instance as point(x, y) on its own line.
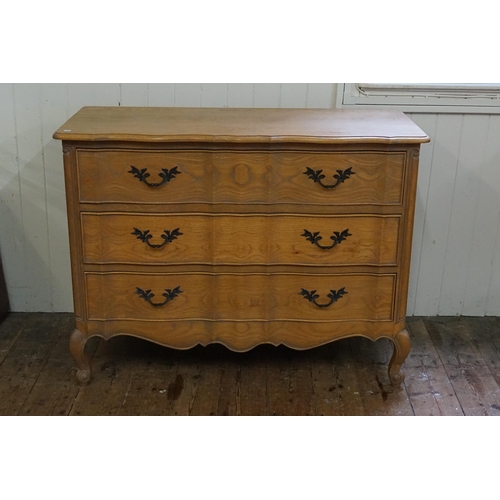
point(240, 226)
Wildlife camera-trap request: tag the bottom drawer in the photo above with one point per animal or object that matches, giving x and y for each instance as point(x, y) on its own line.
point(240, 297)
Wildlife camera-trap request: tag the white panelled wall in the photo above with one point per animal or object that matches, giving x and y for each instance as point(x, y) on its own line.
point(456, 250)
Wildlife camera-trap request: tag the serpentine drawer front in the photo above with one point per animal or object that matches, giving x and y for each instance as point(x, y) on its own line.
point(235, 297)
point(240, 239)
point(337, 178)
point(240, 226)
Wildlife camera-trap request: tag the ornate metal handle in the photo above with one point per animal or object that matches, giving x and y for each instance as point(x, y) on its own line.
point(334, 295)
point(169, 295)
point(144, 236)
point(165, 174)
point(317, 176)
point(337, 238)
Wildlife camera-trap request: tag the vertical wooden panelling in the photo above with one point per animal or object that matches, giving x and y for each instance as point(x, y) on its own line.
point(460, 226)
point(11, 220)
point(267, 95)
point(106, 94)
point(187, 94)
point(79, 95)
point(161, 94)
point(428, 124)
point(134, 94)
point(54, 111)
point(214, 95)
point(240, 95)
point(455, 266)
point(293, 95)
point(27, 100)
point(437, 215)
point(493, 299)
point(485, 227)
point(320, 95)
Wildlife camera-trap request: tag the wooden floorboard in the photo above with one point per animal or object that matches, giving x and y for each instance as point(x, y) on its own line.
point(426, 381)
point(453, 369)
point(23, 364)
point(468, 372)
point(336, 389)
point(10, 330)
point(54, 391)
point(378, 397)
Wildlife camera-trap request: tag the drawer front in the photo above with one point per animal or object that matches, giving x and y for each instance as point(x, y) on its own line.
point(239, 239)
point(240, 297)
point(355, 178)
point(370, 178)
point(144, 176)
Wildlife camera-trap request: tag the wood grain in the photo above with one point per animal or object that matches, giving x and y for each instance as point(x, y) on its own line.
point(54, 390)
point(335, 385)
point(378, 397)
point(135, 377)
point(123, 281)
point(22, 367)
point(239, 177)
point(467, 370)
point(429, 389)
point(485, 334)
point(377, 179)
point(246, 239)
point(105, 176)
point(239, 125)
point(10, 329)
point(239, 297)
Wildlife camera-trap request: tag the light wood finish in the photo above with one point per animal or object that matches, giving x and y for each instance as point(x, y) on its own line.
point(240, 187)
point(241, 336)
point(452, 370)
point(239, 239)
point(239, 297)
point(252, 126)
point(240, 177)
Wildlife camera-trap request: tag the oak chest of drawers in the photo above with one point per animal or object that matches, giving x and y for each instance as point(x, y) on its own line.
point(240, 226)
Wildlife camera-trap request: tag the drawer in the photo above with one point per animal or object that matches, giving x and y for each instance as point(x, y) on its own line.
point(144, 176)
point(117, 238)
point(160, 177)
point(363, 178)
point(240, 297)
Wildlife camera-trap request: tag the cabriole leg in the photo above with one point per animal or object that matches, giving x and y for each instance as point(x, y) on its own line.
point(401, 350)
point(77, 343)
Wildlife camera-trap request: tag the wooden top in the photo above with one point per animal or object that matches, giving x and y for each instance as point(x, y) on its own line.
point(250, 125)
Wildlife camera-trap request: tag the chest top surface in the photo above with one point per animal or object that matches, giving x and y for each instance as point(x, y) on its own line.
point(252, 125)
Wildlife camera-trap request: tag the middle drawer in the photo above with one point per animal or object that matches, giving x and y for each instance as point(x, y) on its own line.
point(164, 239)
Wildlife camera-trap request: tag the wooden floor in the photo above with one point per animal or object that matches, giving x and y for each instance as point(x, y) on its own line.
point(453, 369)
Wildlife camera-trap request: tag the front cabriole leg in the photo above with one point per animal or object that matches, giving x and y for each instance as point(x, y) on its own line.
point(77, 343)
point(401, 343)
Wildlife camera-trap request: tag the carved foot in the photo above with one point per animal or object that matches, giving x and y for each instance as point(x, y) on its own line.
point(401, 349)
point(77, 343)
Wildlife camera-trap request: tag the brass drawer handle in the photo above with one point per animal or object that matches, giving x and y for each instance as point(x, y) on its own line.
point(165, 174)
point(334, 295)
point(317, 175)
point(337, 238)
point(169, 295)
point(144, 236)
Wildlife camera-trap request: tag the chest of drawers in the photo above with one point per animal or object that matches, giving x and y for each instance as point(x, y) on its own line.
point(240, 226)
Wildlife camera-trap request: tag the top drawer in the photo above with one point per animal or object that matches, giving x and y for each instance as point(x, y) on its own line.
point(240, 177)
